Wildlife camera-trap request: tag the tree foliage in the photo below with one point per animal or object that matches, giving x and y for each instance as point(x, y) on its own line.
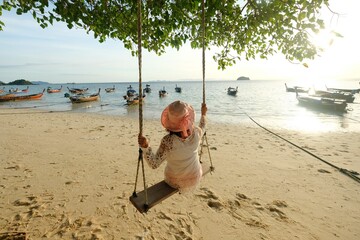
point(240, 29)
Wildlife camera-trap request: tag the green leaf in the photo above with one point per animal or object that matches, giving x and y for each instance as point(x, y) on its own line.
point(302, 16)
point(252, 29)
point(19, 11)
point(337, 34)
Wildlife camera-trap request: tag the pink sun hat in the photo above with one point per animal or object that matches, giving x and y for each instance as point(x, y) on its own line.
point(178, 117)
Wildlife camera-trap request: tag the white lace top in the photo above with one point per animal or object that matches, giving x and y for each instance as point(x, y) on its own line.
point(183, 169)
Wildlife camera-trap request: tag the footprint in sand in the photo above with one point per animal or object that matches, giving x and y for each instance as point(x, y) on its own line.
point(276, 213)
point(25, 202)
point(27, 208)
point(75, 228)
point(180, 226)
point(254, 214)
point(213, 200)
point(83, 197)
point(247, 210)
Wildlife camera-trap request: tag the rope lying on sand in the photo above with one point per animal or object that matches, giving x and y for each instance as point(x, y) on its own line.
point(349, 173)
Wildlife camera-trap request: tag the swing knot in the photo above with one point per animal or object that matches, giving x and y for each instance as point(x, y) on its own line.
point(140, 158)
point(134, 194)
point(146, 207)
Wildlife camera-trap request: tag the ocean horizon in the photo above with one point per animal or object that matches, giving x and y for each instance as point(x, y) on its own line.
point(265, 101)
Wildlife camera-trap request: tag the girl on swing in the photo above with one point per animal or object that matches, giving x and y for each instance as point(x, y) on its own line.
point(179, 147)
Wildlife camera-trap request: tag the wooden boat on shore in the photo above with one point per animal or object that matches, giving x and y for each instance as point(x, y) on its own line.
point(178, 89)
point(109, 90)
point(77, 90)
point(163, 92)
point(296, 88)
point(20, 97)
point(85, 98)
point(322, 103)
point(51, 90)
point(232, 91)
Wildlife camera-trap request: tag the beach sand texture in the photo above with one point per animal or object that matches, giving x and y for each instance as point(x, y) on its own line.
point(70, 175)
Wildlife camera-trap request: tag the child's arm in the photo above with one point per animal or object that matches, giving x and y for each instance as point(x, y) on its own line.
point(154, 159)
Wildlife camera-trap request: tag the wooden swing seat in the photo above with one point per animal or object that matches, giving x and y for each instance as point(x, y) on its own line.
point(157, 193)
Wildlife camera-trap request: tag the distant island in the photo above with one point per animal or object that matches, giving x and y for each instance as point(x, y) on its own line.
point(22, 82)
point(243, 78)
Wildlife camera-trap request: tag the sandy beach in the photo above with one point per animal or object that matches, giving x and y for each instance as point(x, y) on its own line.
point(69, 176)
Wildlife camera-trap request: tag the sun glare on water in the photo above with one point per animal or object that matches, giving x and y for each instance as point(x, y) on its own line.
point(307, 123)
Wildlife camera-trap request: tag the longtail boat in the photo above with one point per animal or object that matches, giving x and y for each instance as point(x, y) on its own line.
point(163, 92)
point(232, 91)
point(130, 92)
point(347, 96)
point(18, 97)
point(296, 89)
point(132, 100)
point(178, 89)
point(50, 90)
point(77, 90)
point(25, 90)
point(147, 88)
point(85, 98)
point(353, 91)
point(14, 90)
point(108, 90)
point(322, 103)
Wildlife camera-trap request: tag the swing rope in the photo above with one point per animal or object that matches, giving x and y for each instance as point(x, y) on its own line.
point(203, 46)
point(145, 207)
point(204, 138)
point(140, 158)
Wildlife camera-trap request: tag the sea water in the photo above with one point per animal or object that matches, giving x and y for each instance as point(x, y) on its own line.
point(264, 101)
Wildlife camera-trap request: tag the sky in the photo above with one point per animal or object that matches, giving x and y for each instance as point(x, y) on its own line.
point(60, 55)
